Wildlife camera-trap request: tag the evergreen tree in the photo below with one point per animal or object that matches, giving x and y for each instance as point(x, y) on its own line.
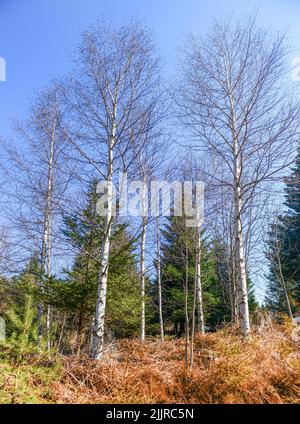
point(14, 290)
point(178, 246)
point(283, 250)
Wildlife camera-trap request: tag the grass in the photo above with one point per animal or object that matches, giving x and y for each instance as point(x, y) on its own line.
point(227, 370)
point(28, 383)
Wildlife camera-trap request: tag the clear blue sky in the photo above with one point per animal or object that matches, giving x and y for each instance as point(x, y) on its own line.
point(37, 37)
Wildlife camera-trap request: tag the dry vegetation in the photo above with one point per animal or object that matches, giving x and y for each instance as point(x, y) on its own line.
point(226, 370)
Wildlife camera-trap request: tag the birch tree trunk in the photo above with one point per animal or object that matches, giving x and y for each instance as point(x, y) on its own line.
point(242, 280)
point(49, 311)
point(193, 323)
point(234, 295)
point(161, 322)
point(143, 242)
point(99, 329)
point(46, 251)
point(200, 323)
point(238, 228)
point(240, 259)
point(186, 309)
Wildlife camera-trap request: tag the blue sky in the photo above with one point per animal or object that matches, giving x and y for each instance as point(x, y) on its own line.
point(37, 37)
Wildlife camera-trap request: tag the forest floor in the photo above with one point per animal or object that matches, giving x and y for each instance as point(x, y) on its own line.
point(226, 369)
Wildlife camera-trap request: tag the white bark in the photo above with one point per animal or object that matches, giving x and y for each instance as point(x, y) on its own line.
point(200, 323)
point(234, 296)
point(46, 251)
point(238, 228)
point(234, 293)
point(193, 323)
point(160, 311)
point(186, 310)
point(241, 277)
point(99, 325)
point(48, 233)
point(143, 275)
point(49, 309)
point(240, 257)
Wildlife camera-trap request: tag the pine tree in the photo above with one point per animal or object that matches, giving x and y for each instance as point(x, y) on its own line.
point(178, 242)
point(22, 331)
point(14, 290)
point(291, 222)
point(283, 250)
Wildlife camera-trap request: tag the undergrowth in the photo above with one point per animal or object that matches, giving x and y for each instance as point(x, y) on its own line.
point(226, 369)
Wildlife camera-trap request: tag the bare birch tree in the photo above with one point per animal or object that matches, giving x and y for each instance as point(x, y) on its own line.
point(40, 178)
point(112, 104)
point(231, 99)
